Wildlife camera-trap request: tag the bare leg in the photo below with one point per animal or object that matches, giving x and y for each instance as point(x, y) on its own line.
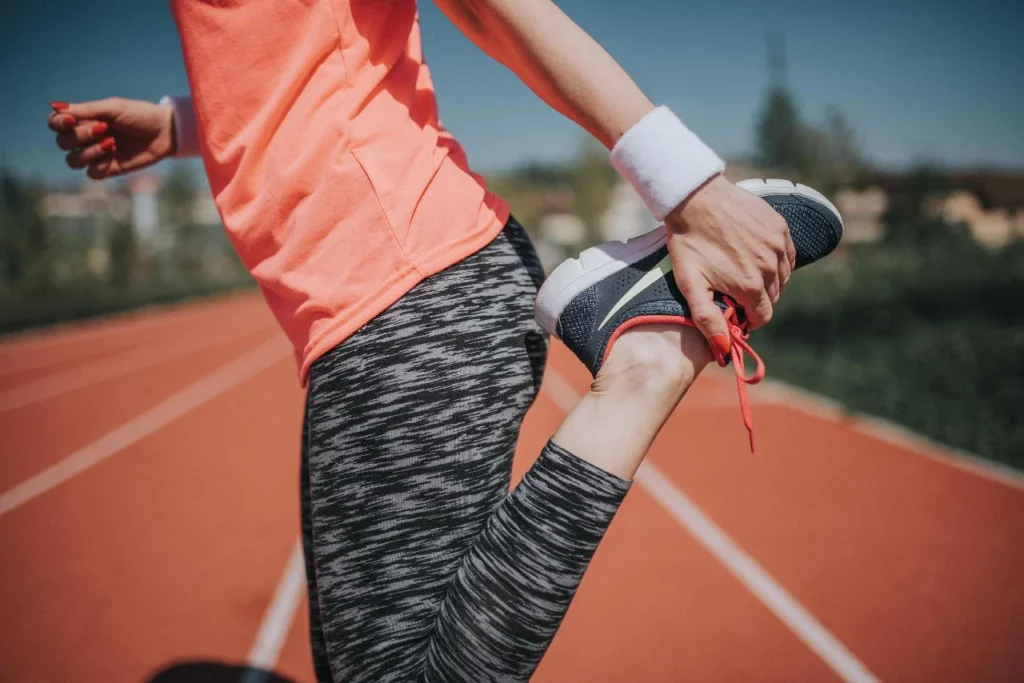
point(649, 370)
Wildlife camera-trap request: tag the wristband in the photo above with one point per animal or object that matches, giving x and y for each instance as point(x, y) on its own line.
point(186, 135)
point(664, 161)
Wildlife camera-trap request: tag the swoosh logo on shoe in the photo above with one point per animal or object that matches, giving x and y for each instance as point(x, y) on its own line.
point(663, 268)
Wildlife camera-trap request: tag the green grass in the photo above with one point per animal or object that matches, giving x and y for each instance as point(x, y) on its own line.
point(928, 340)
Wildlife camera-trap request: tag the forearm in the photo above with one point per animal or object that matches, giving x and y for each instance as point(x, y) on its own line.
point(556, 59)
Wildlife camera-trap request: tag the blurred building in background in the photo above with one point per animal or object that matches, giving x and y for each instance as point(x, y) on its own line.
point(79, 220)
point(626, 216)
point(86, 248)
point(993, 226)
point(145, 192)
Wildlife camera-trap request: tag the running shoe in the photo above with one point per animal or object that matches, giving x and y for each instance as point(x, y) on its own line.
point(589, 301)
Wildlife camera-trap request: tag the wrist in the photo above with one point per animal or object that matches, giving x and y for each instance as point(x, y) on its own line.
point(167, 143)
point(694, 205)
point(182, 126)
point(664, 161)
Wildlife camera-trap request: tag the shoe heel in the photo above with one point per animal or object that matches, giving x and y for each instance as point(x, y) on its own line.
point(574, 275)
point(556, 293)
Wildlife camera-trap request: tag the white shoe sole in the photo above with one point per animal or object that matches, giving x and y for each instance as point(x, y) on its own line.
point(593, 265)
point(763, 188)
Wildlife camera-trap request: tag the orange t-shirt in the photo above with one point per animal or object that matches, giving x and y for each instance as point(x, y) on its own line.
point(336, 182)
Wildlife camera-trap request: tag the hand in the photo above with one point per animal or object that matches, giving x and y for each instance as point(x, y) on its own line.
point(724, 239)
point(113, 136)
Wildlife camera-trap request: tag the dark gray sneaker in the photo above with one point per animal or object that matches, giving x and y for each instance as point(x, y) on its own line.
point(587, 302)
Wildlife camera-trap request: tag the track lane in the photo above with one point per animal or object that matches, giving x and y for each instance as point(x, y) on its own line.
point(913, 564)
point(115, 324)
point(168, 552)
point(28, 356)
point(112, 366)
point(40, 435)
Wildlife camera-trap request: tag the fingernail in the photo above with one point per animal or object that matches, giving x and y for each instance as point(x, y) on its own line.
point(57, 105)
point(68, 121)
point(721, 344)
point(108, 144)
point(99, 128)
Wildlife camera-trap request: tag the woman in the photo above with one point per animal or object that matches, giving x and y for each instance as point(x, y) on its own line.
point(408, 293)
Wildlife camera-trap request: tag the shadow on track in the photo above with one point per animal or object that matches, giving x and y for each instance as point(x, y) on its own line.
point(214, 672)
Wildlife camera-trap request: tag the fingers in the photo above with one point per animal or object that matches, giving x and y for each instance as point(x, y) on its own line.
point(107, 109)
point(777, 269)
point(82, 135)
point(757, 304)
point(65, 117)
point(706, 315)
point(776, 278)
point(777, 265)
point(787, 264)
point(790, 250)
point(79, 130)
point(60, 121)
point(101, 170)
point(85, 156)
point(773, 286)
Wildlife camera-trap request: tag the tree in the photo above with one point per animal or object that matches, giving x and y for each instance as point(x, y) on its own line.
point(826, 156)
point(781, 134)
point(907, 220)
point(177, 201)
point(177, 196)
point(26, 246)
point(592, 179)
point(123, 254)
point(833, 158)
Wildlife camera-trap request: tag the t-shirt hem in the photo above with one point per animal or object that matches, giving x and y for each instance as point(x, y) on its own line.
point(434, 262)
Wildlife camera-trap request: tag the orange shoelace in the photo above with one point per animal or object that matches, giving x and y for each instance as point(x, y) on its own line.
point(740, 347)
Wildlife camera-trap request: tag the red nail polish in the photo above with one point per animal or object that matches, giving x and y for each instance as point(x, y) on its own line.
point(99, 128)
point(107, 144)
point(57, 105)
point(720, 348)
point(721, 343)
point(68, 121)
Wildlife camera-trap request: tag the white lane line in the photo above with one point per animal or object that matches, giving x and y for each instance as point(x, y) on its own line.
point(141, 426)
point(766, 589)
point(110, 367)
point(713, 539)
point(888, 432)
point(277, 621)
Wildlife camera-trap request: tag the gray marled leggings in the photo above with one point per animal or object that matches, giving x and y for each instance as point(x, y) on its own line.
point(421, 565)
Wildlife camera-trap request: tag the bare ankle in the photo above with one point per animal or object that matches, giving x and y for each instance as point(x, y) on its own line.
point(657, 360)
point(639, 385)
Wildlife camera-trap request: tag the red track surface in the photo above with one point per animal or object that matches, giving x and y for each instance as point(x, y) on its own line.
point(170, 547)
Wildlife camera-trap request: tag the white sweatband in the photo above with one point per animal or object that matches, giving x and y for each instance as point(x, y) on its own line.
point(186, 134)
point(664, 161)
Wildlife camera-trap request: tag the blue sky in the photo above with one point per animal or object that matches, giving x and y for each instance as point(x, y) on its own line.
point(938, 80)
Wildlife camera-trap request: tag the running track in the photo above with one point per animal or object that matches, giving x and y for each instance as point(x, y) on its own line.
point(148, 519)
